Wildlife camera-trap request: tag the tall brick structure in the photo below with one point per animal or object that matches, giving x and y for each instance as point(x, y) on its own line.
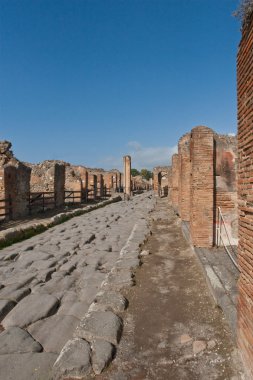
point(202, 186)
point(184, 167)
point(175, 179)
point(245, 192)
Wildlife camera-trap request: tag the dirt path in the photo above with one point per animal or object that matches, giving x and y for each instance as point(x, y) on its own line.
point(172, 329)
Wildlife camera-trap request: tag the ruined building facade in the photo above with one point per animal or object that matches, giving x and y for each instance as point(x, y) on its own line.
point(203, 180)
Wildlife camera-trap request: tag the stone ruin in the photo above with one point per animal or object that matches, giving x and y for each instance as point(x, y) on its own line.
point(26, 187)
point(162, 180)
point(14, 184)
point(203, 180)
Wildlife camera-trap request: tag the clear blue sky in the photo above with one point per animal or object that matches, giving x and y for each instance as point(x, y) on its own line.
point(88, 81)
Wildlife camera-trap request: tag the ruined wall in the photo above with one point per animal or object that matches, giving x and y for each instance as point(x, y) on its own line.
point(226, 185)
point(49, 176)
point(73, 182)
point(161, 180)
point(184, 167)
point(175, 178)
point(245, 194)
point(14, 182)
point(202, 186)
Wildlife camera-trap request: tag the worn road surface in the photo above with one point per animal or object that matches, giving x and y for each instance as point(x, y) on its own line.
point(172, 328)
point(48, 282)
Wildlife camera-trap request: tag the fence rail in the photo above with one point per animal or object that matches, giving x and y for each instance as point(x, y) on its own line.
point(219, 239)
point(7, 207)
point(43, 200)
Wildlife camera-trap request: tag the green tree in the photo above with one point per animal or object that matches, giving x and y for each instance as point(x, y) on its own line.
point(146, 174)
point(134, 172)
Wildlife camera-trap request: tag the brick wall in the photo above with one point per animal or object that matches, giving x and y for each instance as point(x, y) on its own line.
point(175, 178)
point(226, 185)
point(202, 186)
point(184, 166)
point(245, 194)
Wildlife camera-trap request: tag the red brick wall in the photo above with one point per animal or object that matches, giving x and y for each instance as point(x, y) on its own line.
point(245, 195)
point(226, 184)
point(202, 186)
point(175, 178)
point(184, 177)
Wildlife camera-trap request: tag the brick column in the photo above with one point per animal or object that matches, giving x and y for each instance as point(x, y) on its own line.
point(100, 185)
point(202, 186)
point(175, 175)
point(17, 186)
point(127, 175)
point(184, 176)
point(245, 194)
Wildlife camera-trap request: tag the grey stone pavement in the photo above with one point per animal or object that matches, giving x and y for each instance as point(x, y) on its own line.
point(48, 285)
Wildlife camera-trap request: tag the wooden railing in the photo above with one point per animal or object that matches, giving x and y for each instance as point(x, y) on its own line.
point(6, 207)
point(41, 200)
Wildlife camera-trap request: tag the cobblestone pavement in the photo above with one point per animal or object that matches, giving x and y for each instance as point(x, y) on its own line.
point(172, 328)
point(47, 284)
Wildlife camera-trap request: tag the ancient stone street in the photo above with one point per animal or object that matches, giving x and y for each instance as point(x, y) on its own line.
point(48, 283)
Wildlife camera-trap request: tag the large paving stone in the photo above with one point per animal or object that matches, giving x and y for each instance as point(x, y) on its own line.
point(14, 293)
point(5, 307)
point(54, 332)
point(30, 366)
point(17, 340)
point(74, 360)
point(76, 309)
point(102, 354)
point(31, 309)
point(100, 325)
point(109, 300)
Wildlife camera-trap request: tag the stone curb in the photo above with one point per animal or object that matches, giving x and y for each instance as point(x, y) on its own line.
point(16, 234)
point(114, 282)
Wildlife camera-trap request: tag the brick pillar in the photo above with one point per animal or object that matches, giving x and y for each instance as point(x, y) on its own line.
point(184, 176)
point(245, 194)
point(100, 185)
point(202, 186)
point(93, 185)
point(59, 184)
point(17, 186)
point(127, 175)
point(175, 175)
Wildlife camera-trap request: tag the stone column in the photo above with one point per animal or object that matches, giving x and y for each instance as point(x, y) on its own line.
point(202, 187)
point(175, 176)
point(185, 176)
point(127, 175)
